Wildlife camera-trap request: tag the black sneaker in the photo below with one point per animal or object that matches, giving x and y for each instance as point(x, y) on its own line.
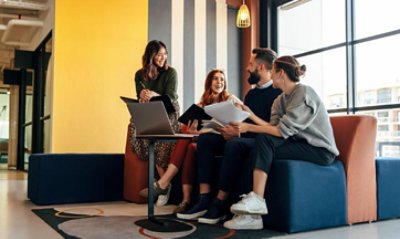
point(198, 210)
point(215, 213)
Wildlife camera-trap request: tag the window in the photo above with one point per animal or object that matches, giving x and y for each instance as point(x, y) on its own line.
point(352, 73)
point(375, 17)
point(376, 67)
point(326, 73)
point(384, 96)
point(383, 116)
point(310, 26)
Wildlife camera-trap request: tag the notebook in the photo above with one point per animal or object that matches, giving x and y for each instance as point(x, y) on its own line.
point(194, 112)
point(151, 120)
point(163, 98)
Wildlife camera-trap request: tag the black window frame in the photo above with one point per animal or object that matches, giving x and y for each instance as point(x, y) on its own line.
point(269, 38)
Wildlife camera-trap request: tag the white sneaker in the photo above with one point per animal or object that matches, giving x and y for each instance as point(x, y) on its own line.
point(250, 204)
point(162, 199)
point(245, 222)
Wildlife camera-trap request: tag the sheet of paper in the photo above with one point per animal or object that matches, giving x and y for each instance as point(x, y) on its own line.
point(226, 112)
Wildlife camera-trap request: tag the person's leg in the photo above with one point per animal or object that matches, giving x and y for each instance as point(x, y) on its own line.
point(248, 211)
point(187, 171)
point(273, 148)
point(176, 160)
point(187, 177)
point(235, 154)
point(268, 148)
point(261, 155)
point(162, 187)
point(208, 146)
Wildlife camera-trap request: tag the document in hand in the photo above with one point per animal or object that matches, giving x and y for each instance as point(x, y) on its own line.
point(226, 112)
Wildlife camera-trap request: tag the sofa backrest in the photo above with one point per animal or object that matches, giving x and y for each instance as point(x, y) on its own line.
point(355, 137)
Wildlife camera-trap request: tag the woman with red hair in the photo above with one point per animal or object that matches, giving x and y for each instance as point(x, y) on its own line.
point(215, 91)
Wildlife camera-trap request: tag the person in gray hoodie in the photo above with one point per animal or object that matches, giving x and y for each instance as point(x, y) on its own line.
point(299, 128)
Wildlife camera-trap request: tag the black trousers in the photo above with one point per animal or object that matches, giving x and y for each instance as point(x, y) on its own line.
point(209, 145)
point(224, 169)
point(268, 148)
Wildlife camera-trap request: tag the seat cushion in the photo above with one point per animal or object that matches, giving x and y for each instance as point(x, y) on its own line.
point(72, 178)
point(303, 196)
point(388, 180)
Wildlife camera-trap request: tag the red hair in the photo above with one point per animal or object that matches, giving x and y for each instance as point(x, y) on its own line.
point(208, 97)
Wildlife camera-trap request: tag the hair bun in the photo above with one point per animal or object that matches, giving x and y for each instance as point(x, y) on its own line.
point(300, 70)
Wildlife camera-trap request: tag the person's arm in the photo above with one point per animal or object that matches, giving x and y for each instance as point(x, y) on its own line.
point(260, 129)
point(171, 84)
point(142, 93)
point(139, 84)
point(296, 119)
point(230, 131)
point(235, 100)
point(260, 125)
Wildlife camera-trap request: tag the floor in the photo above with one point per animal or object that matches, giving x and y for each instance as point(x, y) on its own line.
point(18, 222)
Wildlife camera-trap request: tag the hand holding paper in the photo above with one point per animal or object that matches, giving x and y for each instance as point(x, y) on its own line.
point(226, 112)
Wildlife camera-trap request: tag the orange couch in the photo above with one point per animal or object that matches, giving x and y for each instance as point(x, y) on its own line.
point(355, 137)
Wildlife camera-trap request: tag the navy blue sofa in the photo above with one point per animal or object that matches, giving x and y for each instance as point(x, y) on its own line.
point(301, 196)
point(72, 178)
point(388, 181)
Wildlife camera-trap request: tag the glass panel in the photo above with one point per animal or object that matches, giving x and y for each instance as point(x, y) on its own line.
point(337, 114)
point(28, 106)
point(4, 126)
point(374, 17)
point(27, 145)
point(28, 129)
point(47, 77)
point(311, 25)
point(388, 134)
point(46, 136)
point(377, 74)
point(326, 73)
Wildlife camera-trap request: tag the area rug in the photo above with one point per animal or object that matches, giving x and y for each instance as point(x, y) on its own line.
point(96, 223)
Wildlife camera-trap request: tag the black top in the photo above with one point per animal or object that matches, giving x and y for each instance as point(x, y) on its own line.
point(260, 102)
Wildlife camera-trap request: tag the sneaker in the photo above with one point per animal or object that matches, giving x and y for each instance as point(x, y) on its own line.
point(215, 213)
point(250, 204)
point(198, 210)
point(245, 222)
point(157, 190)
point(181, 207)
point(162, 199)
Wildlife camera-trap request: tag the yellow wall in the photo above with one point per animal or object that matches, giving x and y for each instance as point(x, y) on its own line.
point(98, 46)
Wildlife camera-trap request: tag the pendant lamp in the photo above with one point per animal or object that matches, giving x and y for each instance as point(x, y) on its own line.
point(243, 17)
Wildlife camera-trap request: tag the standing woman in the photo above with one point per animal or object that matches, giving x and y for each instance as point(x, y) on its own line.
point(299, 128)
point(156, 78)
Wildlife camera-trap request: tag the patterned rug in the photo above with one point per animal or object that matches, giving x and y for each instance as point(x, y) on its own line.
point(97, 223)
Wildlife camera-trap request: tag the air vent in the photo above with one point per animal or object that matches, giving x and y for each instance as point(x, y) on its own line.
point(20, 32)
point(30, 5)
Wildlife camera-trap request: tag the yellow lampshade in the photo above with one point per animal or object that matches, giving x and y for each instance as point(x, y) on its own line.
point(243, 17)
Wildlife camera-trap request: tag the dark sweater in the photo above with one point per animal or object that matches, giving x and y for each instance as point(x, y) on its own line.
point(260, 102)
point(166, 83)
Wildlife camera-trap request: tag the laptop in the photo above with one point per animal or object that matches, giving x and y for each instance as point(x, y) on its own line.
point(151, 120)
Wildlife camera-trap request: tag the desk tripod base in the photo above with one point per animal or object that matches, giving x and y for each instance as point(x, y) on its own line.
point(163, 225)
